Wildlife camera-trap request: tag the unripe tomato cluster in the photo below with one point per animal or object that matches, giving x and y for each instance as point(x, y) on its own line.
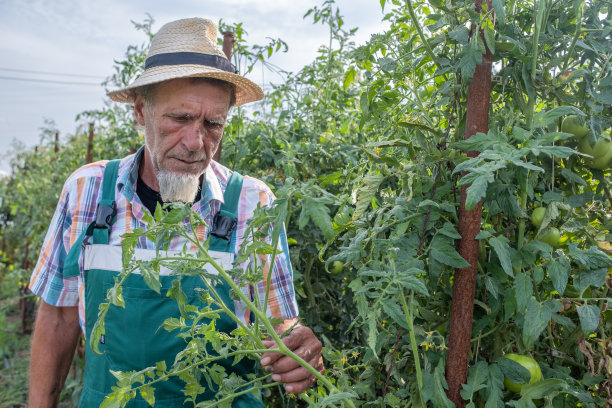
point(601, 150)
point(550, 235)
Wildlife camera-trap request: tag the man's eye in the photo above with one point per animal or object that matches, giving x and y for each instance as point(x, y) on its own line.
point(213, 125)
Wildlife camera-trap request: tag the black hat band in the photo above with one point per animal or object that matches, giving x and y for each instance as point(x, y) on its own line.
point(190, 58)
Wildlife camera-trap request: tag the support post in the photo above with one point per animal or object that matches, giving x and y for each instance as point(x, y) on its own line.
point(89, 158)
point(464, 284)
point(56, 148)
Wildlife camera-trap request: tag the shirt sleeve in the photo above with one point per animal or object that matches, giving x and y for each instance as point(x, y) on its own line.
point(282, 302)
point(47, 279)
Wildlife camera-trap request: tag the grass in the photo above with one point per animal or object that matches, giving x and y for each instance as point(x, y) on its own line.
point(15, 362)
point(14, 357)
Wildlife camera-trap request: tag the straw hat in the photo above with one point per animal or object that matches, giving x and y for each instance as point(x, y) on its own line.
point(188, 48)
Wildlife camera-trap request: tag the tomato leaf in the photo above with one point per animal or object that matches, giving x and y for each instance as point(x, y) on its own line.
point(495, 387)
point(589, 318)
point(514, 371)
point(524, 290)
point(413, 283)
point(592, 277)
point(99, 328)
point(394, 311)
point(591, 258)
point(563, 321)
point(500, 246)
point(479, 142)
point(335, 398)
point(447, 255)
point(148, 394)
point(476, 380)
point(176, 293)
point(150, 274)
point(536, 319)
point(543, 388)
point(349, 78)
point(372, 332)
point(500, 11)
point(440, 398)
point(115, 295)
point(315, 210)
point(460, 34)
point(559, 270)
point(545, 118)
point(366, 192)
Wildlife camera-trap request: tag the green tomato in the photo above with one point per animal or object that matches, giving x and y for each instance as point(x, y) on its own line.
point(599, 149)
point(601, 163)
point(530, 364)
point(551, 236)
point(336, 268)
point(575, 125)
point(537, 216)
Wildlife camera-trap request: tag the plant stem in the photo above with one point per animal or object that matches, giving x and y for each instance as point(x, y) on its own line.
point(266, 322)
point(483, 335)
point(415, 350)
point(574, 40)
point(208, 360)
point(417, 26)
point(237, 394)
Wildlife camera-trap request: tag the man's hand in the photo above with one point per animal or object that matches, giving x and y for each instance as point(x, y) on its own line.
point(305, 344)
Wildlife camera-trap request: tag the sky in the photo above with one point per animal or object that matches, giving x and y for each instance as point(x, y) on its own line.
point(80, 39)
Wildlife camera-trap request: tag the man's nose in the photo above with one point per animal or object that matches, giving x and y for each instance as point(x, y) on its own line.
point(193, 138)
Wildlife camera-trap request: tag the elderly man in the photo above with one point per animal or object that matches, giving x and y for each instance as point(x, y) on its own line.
point(182, 100)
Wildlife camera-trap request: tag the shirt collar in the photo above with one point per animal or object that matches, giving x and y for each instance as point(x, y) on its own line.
point(211, 187)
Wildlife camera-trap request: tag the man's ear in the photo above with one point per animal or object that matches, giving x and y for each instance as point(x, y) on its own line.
point(139, 107)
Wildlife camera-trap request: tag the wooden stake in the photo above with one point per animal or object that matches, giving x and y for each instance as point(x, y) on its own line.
point(89, 158)
point(464, 284)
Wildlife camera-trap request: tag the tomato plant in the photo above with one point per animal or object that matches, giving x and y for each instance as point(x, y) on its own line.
point(365, 150)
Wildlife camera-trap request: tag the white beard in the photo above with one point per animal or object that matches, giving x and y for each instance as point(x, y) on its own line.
point(175, 187)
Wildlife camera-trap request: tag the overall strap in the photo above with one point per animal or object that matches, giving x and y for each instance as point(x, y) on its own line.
point(100, 228)
point(224, 222)
point(107, 208)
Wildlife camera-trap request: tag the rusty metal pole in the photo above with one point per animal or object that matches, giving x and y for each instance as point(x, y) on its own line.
point(56, 148)
point(228, 44)
point(464, 285)
point(89, 158)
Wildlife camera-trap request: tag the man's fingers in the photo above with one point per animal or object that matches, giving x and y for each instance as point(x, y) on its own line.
point(295, 375)
point(304, 344)
point(301, 340)
point(268, 359)
point(300, 386)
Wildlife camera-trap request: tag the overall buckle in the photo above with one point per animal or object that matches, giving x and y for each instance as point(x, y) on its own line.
point(223, 226)
point(105, 215)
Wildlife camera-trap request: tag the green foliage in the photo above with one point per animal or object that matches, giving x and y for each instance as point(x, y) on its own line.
point(365, 149)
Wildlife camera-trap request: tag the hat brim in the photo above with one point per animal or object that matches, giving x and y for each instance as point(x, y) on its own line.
point(246, 90)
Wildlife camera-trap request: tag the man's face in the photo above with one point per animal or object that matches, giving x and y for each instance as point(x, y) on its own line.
point(183, 127)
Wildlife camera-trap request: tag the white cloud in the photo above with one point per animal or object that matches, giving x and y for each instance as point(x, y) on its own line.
point(86, 36)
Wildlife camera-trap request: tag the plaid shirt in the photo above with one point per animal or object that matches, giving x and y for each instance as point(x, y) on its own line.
point(77, 208)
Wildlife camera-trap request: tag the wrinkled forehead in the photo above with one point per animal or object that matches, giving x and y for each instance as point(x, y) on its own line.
point(183, 87)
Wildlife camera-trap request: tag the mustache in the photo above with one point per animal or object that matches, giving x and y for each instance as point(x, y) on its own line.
point(189, 156)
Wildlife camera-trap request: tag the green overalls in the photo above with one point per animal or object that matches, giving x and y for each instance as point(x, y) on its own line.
point(133, 338)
